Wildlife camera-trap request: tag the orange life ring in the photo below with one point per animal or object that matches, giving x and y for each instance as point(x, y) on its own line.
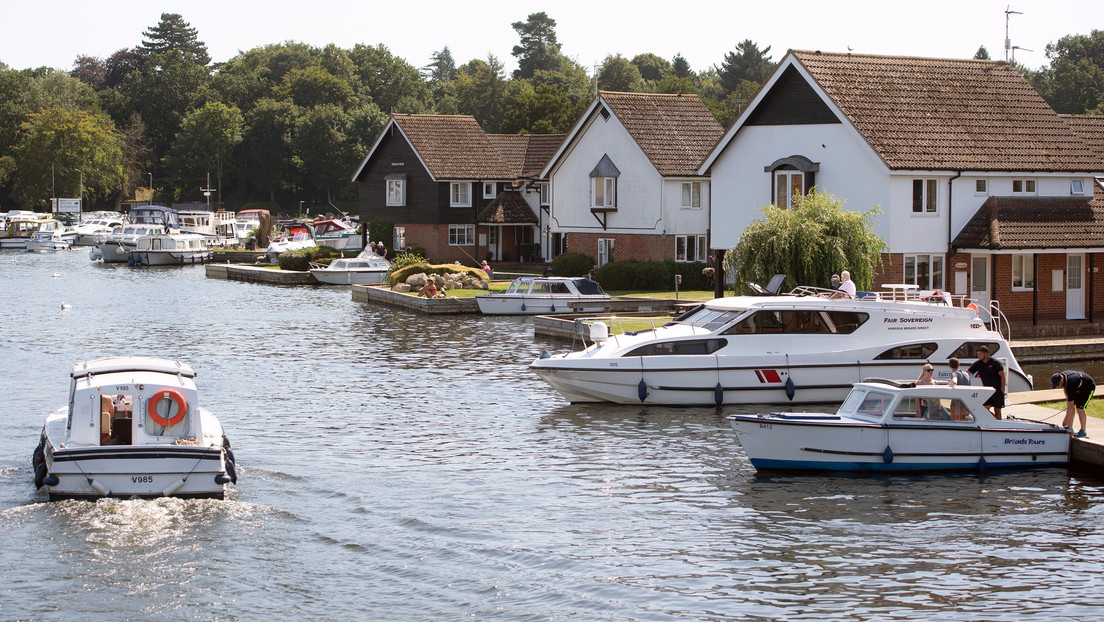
point(974, 307)
point(167, 394)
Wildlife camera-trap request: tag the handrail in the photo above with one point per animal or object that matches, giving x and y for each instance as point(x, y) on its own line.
point(998, 321)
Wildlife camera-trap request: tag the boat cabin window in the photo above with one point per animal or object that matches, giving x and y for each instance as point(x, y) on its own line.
point(913, 351)
point(709, 319)
point(689, 346)
point(870, 403)
point(799, 322)
point(932, 409)
point(116, 418)
point(517, 287)
point(969, 349)
point(555, 287)
point(588, 287)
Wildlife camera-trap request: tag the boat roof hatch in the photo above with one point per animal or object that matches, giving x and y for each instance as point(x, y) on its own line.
point(131, 363)
point(900, 384)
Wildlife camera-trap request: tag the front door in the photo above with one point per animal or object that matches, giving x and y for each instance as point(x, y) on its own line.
point(979, 284)
point(1075, 287)
point(605, 251)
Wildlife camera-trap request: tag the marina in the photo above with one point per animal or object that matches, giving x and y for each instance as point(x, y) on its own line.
point(419, 470)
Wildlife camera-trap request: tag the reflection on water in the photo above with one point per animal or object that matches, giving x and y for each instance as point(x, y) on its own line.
point(413, 468)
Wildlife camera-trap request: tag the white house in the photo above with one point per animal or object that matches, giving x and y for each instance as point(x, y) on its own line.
point(626, 178)
point(932, 143)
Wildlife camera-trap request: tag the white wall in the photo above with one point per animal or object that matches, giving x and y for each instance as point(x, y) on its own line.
point(740, 187)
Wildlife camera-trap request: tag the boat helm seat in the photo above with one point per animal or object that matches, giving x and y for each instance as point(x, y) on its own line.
point(107, 411)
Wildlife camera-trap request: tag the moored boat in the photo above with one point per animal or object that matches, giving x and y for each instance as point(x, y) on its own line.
point(289, 236)
point(170, 249)
point(116, 248)
point(20, 225)
point(543, 295)
point(133, 427)
point(894, 426)
point(366, 268)
point(337, 234)
point(93, 231)
point(793, 348)
point(47, 241)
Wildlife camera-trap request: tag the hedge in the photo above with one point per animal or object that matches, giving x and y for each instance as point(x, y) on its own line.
point(653, 275)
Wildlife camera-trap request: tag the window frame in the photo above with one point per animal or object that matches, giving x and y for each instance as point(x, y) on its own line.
point(1026, 264)
point(455, 233)
point(493, 187)
point(688, 249)
point(458, 188)
point(693, 190)
point(1077, 187)
point(396, 193)
point(926, 203)
point(791, 176)
point(609, 192)
point(931, 261)
point(545, 193)
point(1028, 186)
point(981, 187)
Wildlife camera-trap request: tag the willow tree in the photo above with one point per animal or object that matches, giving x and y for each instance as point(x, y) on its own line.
point(808, 243)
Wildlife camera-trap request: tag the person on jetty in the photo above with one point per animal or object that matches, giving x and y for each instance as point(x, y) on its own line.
point(429, 290)
point(1079, 388)
point(488, 270)
point(991, 372)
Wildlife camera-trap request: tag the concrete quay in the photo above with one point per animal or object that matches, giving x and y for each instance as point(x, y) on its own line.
point(1085, 453)
point(431, 306)
point(257, 274)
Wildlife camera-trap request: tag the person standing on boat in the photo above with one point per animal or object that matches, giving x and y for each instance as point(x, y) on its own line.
point(924, 403)
point(835, 282)
point(958, 378)
point(992, 374)
point(846, 287)
point(1079, 388)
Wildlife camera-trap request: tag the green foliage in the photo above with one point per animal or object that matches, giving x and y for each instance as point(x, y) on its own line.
point(1074, 81)
point(808, 243)
point(539, 48)
point(480, 89)
point(399, 274)
point(207, 137)
point(300, 259)
point(653, 275)
point(544, 110)
point(173, 35)
point(572, 264)
point(620, 75)
point(747, 62)
point(652, 68)
point(381, 231)
point(313, 86)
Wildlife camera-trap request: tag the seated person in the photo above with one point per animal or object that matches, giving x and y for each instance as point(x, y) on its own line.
point(429, 290)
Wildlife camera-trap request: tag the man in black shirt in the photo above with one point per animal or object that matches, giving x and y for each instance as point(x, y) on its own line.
point(991, 372)
point(1079, 388)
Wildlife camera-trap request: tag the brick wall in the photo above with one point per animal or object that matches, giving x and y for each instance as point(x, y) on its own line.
point(625, 246)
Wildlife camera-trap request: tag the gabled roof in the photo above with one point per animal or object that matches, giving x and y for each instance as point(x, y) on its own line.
point(1090, 128)
point(939, 114)
point(508, 208)
point(455, 147)
point(1036, 223)
point(675, 132)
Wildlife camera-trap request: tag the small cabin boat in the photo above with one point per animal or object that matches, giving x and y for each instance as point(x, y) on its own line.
point(365, 268)
point(543, 295)
point(133, 427)
point(337, 234)
point(886, 425)
point(170, 249)
point(47, 241)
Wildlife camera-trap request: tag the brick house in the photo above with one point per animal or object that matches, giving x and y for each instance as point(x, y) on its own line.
point(459, 193)
point(625, 178)
point(985, 191)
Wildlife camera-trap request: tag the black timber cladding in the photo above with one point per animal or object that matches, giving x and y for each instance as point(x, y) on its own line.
point(791, 101)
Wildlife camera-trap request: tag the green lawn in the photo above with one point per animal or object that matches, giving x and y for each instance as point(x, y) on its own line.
point(498, 287)
point(1095, 407)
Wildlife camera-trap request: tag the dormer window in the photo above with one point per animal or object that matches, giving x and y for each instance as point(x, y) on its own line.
point(1077, 187)
point(790, 177)
point(603, 185)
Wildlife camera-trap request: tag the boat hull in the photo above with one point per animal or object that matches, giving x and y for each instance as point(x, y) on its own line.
point(168, 258)
point(348, 277)
point(136, 471)
point(507, 304)
point(799, 443)
point(113, 252)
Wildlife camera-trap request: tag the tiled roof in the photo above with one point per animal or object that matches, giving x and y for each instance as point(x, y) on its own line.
point(509, 208)
point(1090, 128)
point(939, 114)
point(453, 146)
point(676, 132)
point(1004, 223)
point(526, 154)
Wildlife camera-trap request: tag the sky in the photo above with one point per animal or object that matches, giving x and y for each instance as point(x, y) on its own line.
point(54, 33)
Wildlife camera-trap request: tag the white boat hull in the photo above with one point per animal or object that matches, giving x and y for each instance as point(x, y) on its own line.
point(136, 471)
point(36, 246)
point(507, 304)
point(114, 252)
point(798, 442)
point(348, 277)
point(169, 257)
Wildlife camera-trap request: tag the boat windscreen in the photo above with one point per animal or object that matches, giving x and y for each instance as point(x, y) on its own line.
point(709, 319)
point(588, 287)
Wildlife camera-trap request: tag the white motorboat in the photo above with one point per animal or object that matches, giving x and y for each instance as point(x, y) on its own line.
point(47, 241)
point(290, 236)
point(218, 228)
point(116, 248)
point(95, 229)
point(133, 427)
point(170, 249)
point(892, 426)
point(337, 234)
point(365, 268)
point(543, 295)
point(22, 224)
point(247, 222)
point(799, 348)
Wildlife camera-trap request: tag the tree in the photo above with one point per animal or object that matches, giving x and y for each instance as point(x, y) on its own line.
point(57, 146)
point(480, 92)
point(981, 54)
point(680, 67)
point(90, 70)
point(539, 48)
point(163, 91)
point(441, 67)
point(1074, 82)
point(174, 35)
point(266, 155)
point(136, 156)
point(748, 62)
point(313, 86)
point(652, 68)
point(120, 64)
point(618, 74)
point(540, 110)
point(387, 79)
point(207, 138)
point(808, 243)
point(327, 150)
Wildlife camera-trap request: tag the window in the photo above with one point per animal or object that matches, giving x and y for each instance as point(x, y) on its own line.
point(691, 194)
point(981, 187)
point(690, 248)
point(398, 240)
point(604, 192)
point(460, 194)
point(690, 346)
point(396, 192)
point(786, 185)
point(924, 271)
point(489, 190)
point(924, 195)
point(1023, 186)
point(969, 349)
point(461, 235)
point(915, 351)
point(1023, 272)
point(546, 194)
point(1077, 187)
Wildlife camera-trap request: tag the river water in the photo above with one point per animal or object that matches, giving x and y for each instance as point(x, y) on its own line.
point(394, 466)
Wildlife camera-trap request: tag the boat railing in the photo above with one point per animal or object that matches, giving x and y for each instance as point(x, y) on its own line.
point(617, 325)
point(998, 321)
